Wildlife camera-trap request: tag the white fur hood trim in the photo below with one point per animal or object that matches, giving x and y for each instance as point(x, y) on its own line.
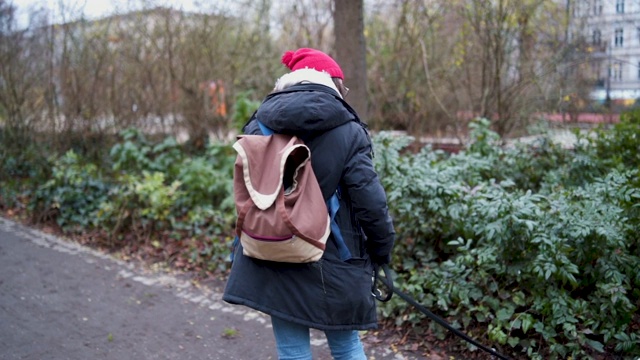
point(305, 75)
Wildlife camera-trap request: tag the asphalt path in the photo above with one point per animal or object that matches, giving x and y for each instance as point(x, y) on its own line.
point(61, 300)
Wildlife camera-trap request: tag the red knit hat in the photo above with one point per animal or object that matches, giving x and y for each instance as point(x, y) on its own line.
point(312, 59)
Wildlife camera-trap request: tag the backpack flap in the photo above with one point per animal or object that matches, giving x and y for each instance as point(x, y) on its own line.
point(282, 215)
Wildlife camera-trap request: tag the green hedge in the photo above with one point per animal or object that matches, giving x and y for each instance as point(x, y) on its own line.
point(533, 249)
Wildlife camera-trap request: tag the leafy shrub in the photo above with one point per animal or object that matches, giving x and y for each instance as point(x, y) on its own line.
point(72, 195)
point(26, 164)
point(22, 169)
point(243, 109)
point(208, 179)
point(620, 145)
point(533, 249)
point(186, 196)
point(136, 154)
point(142, 205)
point(549, 274)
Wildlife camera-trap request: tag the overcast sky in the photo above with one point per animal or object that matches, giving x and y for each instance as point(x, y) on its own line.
point(92, 7)
point(98, 8)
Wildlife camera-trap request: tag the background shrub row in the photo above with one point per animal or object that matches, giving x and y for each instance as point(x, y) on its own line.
point(531, 248)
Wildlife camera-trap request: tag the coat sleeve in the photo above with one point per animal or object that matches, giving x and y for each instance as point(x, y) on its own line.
point(368, 199)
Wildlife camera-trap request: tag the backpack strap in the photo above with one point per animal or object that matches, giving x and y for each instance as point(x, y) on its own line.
point(265, 130)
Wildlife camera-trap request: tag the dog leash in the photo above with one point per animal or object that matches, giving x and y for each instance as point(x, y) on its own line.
point(387, 281)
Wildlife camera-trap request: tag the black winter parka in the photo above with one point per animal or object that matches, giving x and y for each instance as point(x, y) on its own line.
point(329, 294)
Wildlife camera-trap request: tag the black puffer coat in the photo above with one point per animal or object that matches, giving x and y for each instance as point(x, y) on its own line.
point(329, 294)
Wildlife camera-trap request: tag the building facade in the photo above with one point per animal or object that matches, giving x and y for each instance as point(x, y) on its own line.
point(610, 30)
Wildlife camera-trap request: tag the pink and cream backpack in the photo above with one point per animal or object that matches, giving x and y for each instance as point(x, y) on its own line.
point(282, 215)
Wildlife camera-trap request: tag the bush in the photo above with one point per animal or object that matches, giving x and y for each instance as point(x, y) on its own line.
point(541, 264)
point(72, 195)
point(22, 169)
point(533, 249)
point(136, 154)
point(161, 187)
point(243, 108)
point(620, 146)
point(142, 205)
point(209, 178)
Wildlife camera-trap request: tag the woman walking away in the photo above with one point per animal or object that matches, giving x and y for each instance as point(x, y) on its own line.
point(332, 294)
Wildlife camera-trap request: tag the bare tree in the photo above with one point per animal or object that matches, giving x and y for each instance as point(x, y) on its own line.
point(22, 89)
point(305, 23)
point(436, 64)
point(404, 36)
point(513, 63)
point(426, 66)
point(350, 50)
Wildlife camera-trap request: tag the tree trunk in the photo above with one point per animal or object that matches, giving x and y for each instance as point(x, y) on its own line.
point(351, 51)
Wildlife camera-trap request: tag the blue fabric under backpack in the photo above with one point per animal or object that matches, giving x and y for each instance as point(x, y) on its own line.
point(333, 205)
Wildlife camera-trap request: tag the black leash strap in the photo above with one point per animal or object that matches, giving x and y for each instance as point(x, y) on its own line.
point(390, 290)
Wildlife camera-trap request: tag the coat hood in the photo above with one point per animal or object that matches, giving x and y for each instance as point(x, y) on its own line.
point(308, 106)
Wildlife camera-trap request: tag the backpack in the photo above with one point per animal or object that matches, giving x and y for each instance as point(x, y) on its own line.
point(282, 215)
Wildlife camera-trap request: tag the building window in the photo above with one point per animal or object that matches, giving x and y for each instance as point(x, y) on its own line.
point(597, 7)
point(577, 9)
point(597, 74)
point(619, 37)
point(617, 71)
point(638, 69)
point(597, 37)
point(620, 6)
point(638, 34)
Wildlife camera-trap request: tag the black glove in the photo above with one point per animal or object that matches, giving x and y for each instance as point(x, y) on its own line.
point(381, 260)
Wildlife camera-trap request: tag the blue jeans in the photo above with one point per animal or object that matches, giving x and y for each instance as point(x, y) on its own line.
point(293, 342)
